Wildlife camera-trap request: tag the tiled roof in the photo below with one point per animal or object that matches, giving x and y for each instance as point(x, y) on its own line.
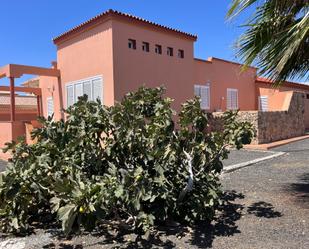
point(110, 13)
point(286, 83)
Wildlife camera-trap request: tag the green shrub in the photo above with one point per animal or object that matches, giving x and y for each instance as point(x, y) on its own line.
point(129, 162)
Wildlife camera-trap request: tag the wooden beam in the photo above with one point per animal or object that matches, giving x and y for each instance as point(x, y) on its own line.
point(4, 71)
point(12, 99)
point(39, 105)
point(17, 71)
point(36, 91)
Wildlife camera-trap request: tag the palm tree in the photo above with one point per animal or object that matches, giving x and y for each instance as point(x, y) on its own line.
point(276, 38)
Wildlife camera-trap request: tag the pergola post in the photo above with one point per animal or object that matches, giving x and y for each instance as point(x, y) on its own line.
point(38, 97)
point(12, 99)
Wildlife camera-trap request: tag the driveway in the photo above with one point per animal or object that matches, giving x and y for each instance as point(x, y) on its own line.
point(267, 206)
point(270, 202)
point(241, 156)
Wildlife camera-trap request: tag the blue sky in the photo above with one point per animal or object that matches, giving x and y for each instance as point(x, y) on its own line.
point(28, 26)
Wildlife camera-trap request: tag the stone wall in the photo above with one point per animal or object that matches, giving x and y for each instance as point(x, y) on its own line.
point(275, 125)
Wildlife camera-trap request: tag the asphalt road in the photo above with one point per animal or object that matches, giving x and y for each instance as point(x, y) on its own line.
point(240, 156)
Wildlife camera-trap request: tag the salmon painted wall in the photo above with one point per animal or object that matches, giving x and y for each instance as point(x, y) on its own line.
point(11, 131)
point(276, 97)
point(221, 75)
point(51, 89)
point(20, 115)
point(86, 55)
point(134, 68)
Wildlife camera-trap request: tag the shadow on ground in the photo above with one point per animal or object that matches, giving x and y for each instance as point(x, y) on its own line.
point(300, 190)
point(201, 236)
point(263, 210)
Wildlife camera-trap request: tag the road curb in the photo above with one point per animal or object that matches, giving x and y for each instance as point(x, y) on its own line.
point(237, 166)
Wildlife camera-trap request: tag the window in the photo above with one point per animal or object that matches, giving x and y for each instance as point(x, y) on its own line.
point(232, 99)
point(203, 91)
point(158, 49)
point(307, 96)
point(170, 51)
point(50, 106)
point(92, 87)
point(145, 46)
point(132, 44)
point(263, 103)
point(181, 53)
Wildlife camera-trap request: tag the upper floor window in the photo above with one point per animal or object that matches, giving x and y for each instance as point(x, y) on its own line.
point(158, 49)
point(181, 53)
point(145, 46)
point(132, 44)
point(232, 99)
point(203, 91)
point(170, 51)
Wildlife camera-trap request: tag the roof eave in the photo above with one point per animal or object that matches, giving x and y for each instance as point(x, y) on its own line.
point(110, 14)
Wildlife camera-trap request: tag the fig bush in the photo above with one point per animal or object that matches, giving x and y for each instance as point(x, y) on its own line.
point(136, 162)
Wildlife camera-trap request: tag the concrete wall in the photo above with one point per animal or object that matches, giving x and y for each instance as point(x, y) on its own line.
point(223, 74)
point(10, 131)
point(20, 115)
point(134, 68)
point(277, 96)
point(88, 54)
point(278, 125)
point(51, 87)
point(274, 125)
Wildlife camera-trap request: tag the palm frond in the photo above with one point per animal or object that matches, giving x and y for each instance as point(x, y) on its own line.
point(276, 38)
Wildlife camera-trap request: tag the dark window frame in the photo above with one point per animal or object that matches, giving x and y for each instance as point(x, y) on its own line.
point(158, 49)
point(133, 42)
point(145, 46)
point(181, 53)
point(170, 51)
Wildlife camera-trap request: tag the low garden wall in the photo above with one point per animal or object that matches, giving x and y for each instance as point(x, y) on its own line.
point(275, 125)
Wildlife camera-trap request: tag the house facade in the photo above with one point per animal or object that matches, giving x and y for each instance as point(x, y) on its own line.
point(115, 53)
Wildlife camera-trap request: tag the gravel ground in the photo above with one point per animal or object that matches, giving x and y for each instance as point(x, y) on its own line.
point(240, 156)
point(267, 207)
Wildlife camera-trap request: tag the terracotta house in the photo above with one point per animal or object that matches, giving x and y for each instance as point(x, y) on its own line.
point(114, 53)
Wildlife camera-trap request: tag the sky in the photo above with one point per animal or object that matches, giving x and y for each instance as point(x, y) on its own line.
point(28, 26)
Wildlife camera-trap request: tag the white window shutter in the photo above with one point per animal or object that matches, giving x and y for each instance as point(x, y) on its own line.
point(229, 99)
point(235, 99)
point(197, 90)
point(92, 87)
point(205, 103)
point(50, 106)
point(87, 89)
point(263, 103)
point(232, 99)
point(70, 96)
point(78, 91)
point(97, 86)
